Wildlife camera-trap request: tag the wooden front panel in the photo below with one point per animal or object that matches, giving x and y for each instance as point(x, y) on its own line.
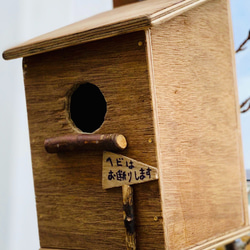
point(201, 170)
point(74, 212)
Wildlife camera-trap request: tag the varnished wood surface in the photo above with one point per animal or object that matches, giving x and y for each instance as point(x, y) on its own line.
point(125, 19)
point(201, 173)
point(74, 212)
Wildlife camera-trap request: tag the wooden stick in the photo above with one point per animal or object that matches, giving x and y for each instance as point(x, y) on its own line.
point(128, 216)
point(113, 142)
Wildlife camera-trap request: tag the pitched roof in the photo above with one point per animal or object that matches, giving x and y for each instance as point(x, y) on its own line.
point(121, 20)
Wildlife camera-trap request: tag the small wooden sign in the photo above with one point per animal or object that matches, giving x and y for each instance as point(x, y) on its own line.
point(119, 170)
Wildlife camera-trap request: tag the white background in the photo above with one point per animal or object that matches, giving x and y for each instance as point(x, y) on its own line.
point(21, 20)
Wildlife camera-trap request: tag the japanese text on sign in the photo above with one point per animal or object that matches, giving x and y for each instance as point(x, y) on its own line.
point(119, 170)
point(127, 173)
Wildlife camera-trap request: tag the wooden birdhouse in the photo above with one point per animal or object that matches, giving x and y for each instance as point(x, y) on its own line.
point(143, 96)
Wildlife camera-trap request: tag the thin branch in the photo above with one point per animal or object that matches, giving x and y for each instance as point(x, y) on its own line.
point(241, 47)
point(243, 107)
point(244, 104)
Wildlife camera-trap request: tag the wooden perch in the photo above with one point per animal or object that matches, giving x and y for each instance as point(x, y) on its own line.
point(113, 142)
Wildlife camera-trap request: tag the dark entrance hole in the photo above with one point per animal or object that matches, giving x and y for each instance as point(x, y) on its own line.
point(87, 107)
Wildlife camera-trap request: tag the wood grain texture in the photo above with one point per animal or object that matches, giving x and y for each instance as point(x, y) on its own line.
point(74, 212)
point(200, 153)
point(238, 113)
point(212, 244)
point(125, 19)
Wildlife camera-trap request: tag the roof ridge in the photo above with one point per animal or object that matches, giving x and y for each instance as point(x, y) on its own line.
point(174, 10)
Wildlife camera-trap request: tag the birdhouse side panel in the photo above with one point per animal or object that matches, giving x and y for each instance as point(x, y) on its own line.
point(74, 212)
point(201, 171)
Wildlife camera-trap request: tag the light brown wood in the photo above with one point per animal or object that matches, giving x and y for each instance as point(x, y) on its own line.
point(223, 240)
point(117, 3)
point(129, 217)
point(121, 142)
point(119, 170)
point(125, 19)
point(74, 212)
point(238, 112)
point(197, 118)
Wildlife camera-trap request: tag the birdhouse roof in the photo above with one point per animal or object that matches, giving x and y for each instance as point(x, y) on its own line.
point(121, 20)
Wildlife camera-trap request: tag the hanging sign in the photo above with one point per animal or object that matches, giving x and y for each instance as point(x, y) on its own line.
point(119, 170)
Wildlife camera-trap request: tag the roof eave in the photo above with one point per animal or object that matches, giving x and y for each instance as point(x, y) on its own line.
point(26, 49)
point(81, 32)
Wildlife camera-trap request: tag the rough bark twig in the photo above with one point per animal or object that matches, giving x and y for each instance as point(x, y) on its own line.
point(128, 216)
point(241, 47)
point(244, 104)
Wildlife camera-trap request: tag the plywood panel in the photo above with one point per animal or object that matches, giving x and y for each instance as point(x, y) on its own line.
point(74, 212)
point(219, 241)
point(201, 171)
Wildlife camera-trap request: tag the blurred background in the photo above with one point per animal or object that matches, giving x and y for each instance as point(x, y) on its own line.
point(21, 20)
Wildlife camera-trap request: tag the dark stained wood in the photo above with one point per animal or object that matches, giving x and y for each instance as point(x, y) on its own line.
point(74, 212)
point(117, 3)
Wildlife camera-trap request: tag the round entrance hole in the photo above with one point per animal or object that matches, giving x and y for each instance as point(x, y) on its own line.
point(87, 107)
